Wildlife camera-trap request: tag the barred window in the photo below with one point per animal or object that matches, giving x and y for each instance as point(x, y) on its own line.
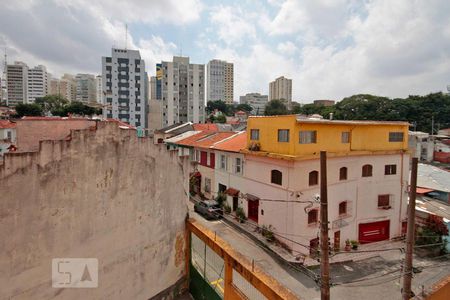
point(345, 137)
point(254, 134)
point(390, 169)
point(395, 136)
point(283, 135)
point(308, 137)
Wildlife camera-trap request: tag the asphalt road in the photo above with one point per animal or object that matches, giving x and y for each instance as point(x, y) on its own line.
point(374, 278)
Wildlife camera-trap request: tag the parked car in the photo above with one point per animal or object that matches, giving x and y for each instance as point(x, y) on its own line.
point(210, 209)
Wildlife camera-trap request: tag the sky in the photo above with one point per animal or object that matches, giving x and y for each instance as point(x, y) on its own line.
point(331, 49)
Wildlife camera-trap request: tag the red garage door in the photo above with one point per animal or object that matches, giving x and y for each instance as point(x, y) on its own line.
point(373, 232)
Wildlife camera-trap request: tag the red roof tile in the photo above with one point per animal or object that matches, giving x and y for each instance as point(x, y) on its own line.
point(207, 126)
point(5, 124)
point(205, 139)
point(234, 144)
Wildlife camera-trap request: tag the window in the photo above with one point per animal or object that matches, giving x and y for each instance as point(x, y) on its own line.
point(343, 173)
point(238, 166)
point(197, 155)
point(383, 201)
point(276, 177)
point(254, 134)
point(395, 136)
point(343, 208)
point(313, 178)
point(367, 171)
point(207, 185)
point(283, 135)
point(223, 162)
point(312, 216)
point(390, 169)
point(345, 137)
point(308, 137)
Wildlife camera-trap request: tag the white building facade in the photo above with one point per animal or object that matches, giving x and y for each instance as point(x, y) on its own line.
point(124, 83)
point(17, 83)
point(220, 81)
point(38, 83)
point(183, 92)
point(257, 101)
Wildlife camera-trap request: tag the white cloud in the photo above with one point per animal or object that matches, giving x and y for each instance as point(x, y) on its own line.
point(231, 24)
point(287, 48)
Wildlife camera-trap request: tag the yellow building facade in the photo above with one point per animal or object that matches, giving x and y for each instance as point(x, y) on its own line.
point(295, 137)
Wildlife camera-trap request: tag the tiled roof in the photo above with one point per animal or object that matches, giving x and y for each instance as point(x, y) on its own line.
point(121, 124)
point(205, 139)
point(234, 144)
point(207, 126)
point(5, 124)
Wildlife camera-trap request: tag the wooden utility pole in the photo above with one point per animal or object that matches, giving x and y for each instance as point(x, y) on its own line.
point(324, 246)
point(407, 277)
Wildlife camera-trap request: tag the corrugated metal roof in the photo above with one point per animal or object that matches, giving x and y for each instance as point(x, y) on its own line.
point(432, 177)
point(235, 143)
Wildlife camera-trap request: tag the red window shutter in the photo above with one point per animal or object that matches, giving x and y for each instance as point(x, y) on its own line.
point(203, 158)
point(212, 160)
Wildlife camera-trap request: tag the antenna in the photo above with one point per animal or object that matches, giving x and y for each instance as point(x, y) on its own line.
point(181, 49)
point(126, 36)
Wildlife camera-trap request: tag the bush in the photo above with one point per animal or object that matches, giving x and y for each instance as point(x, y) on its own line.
point(240, 214)
point(227, 208)
point(267, 232)
point(221, 198)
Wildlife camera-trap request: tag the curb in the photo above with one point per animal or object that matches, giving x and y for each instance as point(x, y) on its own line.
point(286, 265)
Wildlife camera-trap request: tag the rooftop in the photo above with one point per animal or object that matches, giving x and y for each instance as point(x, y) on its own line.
point(205, 139)
point(6, 124)
point(234, 143)
point(432, 177)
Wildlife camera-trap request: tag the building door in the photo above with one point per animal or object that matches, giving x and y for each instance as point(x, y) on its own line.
point(374, 232)
point(235, 203)
point(222, 188)
point(253, 207)
point(337, 240)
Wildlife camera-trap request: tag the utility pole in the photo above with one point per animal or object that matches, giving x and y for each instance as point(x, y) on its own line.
point(407, 277)
point(324, 246)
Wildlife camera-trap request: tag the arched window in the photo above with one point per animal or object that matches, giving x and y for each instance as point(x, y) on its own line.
point(276, 177)
point(312, 216)
point(367, 171)
point(343, 173)
point(313, 178)
point(343, 208)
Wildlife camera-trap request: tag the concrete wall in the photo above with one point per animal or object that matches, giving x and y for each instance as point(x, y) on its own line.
point(32, 130)
point(104, 194)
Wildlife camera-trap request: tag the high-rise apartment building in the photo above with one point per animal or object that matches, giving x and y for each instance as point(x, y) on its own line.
point(99, 89)
point(220, 81)
point(125, 90)
point(183, 91)
point(86, 88)
point(37, 83)
point(257, 101)
point(281, 89)
point(153, 87)
point(17, 83)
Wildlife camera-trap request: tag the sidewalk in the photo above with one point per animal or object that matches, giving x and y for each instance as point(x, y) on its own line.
point(389, 249)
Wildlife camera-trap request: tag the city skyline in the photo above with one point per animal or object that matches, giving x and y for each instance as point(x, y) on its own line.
point(330, 50)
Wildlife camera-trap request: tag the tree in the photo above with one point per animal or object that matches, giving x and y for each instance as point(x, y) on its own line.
point(53, 104)
point(218, 104)
point(32, 109)
point(78, 108)
point(220, 119)
point(275, 107)
point(244, 107)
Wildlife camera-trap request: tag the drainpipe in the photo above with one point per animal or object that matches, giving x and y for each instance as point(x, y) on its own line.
point(401, 192)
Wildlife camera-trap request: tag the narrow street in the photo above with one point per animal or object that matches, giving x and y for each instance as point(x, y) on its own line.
point(384, 269)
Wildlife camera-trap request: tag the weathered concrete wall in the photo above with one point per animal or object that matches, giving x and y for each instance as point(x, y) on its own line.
point(104, 194)
point(31, 130)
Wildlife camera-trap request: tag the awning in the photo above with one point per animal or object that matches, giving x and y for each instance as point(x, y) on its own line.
point(232, 192)
point(423, 190)
point(251, 197)
point(196, 174)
